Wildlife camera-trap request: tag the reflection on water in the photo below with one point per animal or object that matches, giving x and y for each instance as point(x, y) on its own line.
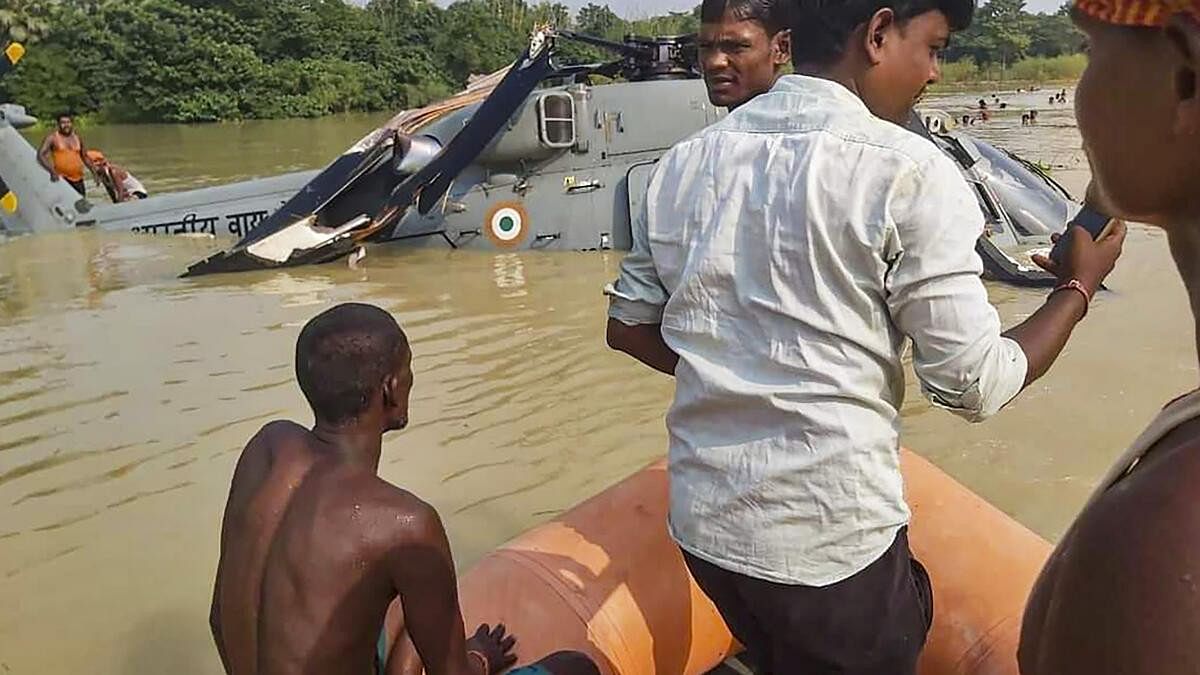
point(126, 395)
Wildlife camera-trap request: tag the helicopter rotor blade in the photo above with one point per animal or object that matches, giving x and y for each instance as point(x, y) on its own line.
point(426, 186)
point(609, 69)
point(625, 50)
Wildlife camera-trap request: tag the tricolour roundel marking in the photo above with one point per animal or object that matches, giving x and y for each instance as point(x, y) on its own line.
point(507, 224)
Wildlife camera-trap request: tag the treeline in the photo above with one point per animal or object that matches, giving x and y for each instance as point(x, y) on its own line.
point(1004, 33)
point(207, 60)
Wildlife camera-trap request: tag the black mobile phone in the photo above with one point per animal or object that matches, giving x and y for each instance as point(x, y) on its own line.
point(1093, 221)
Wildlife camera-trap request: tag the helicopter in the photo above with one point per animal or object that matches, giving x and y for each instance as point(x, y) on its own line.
point(539, 156)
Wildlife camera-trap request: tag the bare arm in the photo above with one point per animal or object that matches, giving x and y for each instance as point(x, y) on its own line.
point(423, 572)
point(214, 621)
point(965, 362)
point(1126, 582)
point(83, 155)
point(252, 467)
point(44, 157)
point(643, 342)
point(1044, 334)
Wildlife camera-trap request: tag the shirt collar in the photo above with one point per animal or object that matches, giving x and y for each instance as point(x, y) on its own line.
point(819, 87)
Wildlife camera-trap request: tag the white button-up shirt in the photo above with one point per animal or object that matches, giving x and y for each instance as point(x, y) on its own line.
point(788, 251)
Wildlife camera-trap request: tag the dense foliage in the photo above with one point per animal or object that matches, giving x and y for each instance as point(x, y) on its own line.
point(1004, 33)
point(204, 60)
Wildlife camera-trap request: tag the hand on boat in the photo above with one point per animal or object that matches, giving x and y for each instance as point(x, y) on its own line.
point(494, 646)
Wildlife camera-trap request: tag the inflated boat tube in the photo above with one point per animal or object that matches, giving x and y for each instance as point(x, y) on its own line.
point(982, 565)
point(606, 579)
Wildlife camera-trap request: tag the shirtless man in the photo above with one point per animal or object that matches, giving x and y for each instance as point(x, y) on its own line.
point(64, 155)
point(315, 546)
point(1121, 592)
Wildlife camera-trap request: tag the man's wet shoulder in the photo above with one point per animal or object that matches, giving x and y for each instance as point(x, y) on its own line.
point(277, 442)
point(1159, 489)
point(386, 509)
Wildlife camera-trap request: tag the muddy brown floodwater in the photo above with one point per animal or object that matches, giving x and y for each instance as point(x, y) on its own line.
point(126, 394)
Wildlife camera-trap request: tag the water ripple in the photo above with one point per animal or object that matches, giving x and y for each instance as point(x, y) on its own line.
point(62, 407)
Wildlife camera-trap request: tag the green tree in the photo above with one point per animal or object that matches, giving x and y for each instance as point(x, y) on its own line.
point(1054, 34)
point(26, 21)
point(476, 38)
point(600, 21)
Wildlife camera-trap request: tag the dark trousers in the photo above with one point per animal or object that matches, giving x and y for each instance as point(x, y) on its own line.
point(873, 623)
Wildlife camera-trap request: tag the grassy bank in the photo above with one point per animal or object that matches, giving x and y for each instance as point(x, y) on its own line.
point(1033, 70)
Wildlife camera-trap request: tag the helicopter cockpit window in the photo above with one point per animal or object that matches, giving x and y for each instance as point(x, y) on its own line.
point(556, 120)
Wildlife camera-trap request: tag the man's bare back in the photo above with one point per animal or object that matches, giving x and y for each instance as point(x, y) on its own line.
point(310, 538)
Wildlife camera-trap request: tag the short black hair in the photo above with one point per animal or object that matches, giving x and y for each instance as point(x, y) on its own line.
point(67, 115)
point(772, 14)
point(343, 356)
point(821, 28)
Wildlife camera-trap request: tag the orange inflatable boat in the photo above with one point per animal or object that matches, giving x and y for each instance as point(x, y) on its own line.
point(606, 579)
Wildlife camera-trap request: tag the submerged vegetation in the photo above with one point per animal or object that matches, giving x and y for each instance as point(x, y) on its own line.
point(209, 60)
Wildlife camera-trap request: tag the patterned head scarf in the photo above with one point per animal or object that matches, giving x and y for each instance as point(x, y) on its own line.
point(1144, 13)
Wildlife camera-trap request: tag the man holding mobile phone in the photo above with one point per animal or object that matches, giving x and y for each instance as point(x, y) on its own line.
point(781, 261)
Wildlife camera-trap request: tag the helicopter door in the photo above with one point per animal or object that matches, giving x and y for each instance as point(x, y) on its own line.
point(637, 179)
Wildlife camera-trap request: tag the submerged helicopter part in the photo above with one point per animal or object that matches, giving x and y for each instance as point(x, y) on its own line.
point(1022, 206)
point(312, 240)
point(424, 173)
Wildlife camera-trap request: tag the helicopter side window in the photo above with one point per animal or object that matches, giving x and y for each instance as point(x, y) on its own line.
point(556, 120)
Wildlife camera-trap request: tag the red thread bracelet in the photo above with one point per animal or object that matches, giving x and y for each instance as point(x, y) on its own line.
point(487, 667)
point(1075, 284)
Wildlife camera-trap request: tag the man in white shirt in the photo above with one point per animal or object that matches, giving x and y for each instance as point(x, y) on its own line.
point(782, 259)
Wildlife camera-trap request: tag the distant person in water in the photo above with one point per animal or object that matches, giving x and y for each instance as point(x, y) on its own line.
point(1119, 595)
point(121, 185)
point(315, 547)
point(744, 47)
point(1033, 114)
point(63, 154)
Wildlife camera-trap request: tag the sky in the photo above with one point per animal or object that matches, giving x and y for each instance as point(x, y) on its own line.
point(640, 9)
